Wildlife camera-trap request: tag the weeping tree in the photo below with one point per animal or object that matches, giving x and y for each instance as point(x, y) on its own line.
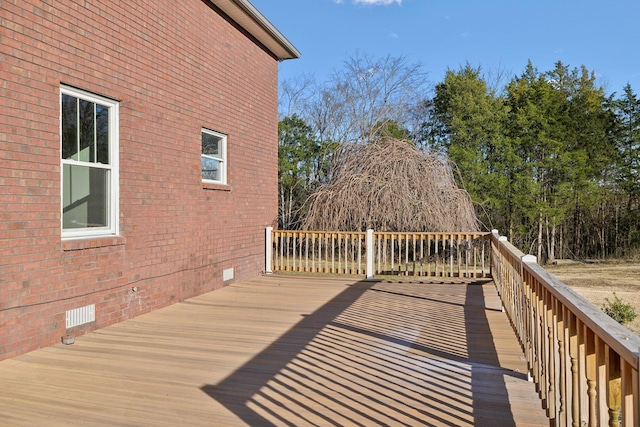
point(390, 185)
point(367, 97)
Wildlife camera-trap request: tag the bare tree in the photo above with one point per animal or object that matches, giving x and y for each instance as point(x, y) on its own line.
point(358, 100)
point(326, 114)
point(390, 185)
point(376, 92)
point(295, 94)
point(496, 78)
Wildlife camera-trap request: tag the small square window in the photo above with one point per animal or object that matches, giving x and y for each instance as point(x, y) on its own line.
point(214, 156)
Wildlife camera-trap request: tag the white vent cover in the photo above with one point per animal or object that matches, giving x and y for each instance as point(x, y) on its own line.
point(227, 274)
point(81, 315)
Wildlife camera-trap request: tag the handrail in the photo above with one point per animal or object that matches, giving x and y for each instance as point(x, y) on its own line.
point(584, 364)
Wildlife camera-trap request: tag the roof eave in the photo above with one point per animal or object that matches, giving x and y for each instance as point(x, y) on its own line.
point(248, 17)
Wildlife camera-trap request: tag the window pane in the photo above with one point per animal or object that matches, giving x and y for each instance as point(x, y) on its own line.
point(84, 197)
point(69, 127)
point(87, 131)
point(211, 144)
point(210, 169)
point(102, 134)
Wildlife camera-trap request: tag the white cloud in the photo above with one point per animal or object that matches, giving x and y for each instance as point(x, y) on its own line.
point(377, 2)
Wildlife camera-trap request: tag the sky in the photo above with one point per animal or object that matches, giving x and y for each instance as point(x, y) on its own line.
point(496, 35)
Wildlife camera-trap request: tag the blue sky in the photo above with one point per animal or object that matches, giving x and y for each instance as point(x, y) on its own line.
point(603, 35)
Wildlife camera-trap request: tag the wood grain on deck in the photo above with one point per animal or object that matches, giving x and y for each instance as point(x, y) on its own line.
point(288, 350)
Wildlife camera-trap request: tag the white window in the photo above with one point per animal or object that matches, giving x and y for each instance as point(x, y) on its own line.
point(214, 156)
point(89, 163)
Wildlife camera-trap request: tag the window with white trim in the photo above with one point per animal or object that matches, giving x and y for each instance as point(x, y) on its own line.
point(89, 164)
point(214, 156)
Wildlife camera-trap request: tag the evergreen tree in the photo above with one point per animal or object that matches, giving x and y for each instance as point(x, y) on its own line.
point(560, 126)
point(466, 121)
point(302, 165)
point(627, 110)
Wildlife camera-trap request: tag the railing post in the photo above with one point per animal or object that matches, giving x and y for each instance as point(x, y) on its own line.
point(268, 250)
point(533, 345)
point(369, 244)
point(499, 273)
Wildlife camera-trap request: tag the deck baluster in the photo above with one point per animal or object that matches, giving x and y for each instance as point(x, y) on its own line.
point(591, 379)
point(575, 387)
point(562, 365)
point(551, 328)
point(614, 388)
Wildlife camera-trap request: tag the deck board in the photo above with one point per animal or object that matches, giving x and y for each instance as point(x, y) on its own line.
point(288, 350)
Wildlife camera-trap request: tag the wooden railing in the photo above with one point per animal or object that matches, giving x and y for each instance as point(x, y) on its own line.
point(334, 252)
point(380, 253)
point(584, 364)
point(431, 254)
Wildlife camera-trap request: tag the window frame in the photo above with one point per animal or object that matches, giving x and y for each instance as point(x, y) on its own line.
point(112, 168)
point(221, 159)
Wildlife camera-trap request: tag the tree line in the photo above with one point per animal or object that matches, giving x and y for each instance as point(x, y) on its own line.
point(549, 158)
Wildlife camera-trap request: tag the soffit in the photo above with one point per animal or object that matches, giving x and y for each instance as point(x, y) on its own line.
point(248, 17)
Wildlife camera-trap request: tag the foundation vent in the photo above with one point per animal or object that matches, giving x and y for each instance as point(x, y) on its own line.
point(81, 315)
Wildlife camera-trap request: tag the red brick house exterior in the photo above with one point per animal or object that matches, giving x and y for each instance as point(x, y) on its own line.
point(104, 112)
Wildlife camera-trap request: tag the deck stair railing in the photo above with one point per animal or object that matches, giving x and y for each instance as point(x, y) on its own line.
point(584, 364)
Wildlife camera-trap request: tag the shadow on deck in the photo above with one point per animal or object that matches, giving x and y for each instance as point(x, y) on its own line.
point(288, 350)
point(390, 353)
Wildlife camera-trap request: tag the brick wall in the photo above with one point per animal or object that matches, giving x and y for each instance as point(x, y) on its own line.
point(175, 67)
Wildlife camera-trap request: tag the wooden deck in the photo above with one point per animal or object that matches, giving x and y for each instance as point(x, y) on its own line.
point(287, 350)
